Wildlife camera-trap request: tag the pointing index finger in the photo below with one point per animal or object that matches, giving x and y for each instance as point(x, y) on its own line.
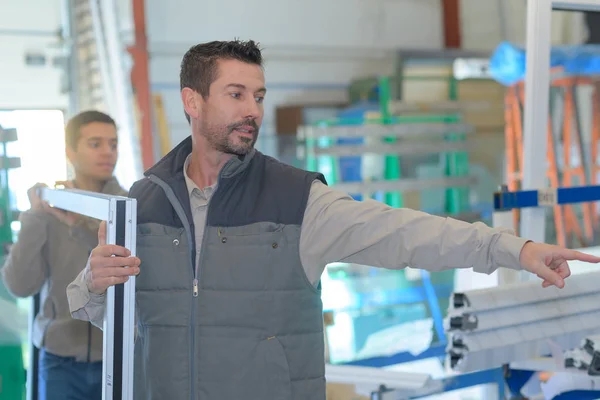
point(577, 255)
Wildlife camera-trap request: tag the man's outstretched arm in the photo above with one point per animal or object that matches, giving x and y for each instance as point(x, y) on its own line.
point(337, 228)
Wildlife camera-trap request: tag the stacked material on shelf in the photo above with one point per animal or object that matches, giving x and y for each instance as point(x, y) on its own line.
point(492, 327)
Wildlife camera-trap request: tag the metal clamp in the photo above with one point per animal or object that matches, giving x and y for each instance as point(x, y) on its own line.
point(465, 322)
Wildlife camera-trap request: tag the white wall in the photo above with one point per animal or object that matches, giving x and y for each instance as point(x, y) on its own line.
point(485, 23)
point(312, 49)
point(29, 26)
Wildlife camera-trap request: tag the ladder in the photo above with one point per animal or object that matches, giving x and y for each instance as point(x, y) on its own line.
point(87, 89)
point(575, 163)
point(97, 75)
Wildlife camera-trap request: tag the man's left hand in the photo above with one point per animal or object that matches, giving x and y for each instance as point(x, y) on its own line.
point(550, 262)
point(66, 217)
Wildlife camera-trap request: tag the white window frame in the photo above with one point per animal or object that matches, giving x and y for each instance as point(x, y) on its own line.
point(120, 213)
point(537, 94)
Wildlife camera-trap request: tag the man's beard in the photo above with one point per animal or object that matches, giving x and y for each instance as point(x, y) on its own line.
point(225, 145)
point(219, 137)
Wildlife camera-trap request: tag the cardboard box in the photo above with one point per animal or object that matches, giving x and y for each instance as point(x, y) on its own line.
point(492, 94)
point(487, 91)
point(338, 391)
point(289, 117)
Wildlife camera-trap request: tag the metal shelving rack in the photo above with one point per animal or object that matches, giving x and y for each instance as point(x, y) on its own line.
point(403, 128)
point(443, 133)
point(457, 163)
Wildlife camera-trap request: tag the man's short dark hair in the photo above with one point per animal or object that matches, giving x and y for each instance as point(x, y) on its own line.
point(199, 64)
point(73, 128)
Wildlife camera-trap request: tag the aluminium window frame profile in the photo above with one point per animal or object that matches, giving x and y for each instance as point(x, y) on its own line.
point(383, 384)
point(120, 214)
point(516, 322)
point(519, 293)
point(491, 308)
point(473, 352)
point(371, 379)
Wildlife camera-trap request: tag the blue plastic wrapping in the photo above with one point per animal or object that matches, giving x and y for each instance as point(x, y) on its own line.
point(507, 63)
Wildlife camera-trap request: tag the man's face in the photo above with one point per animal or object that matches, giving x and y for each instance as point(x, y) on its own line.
point(230, 117)
point(97, 151)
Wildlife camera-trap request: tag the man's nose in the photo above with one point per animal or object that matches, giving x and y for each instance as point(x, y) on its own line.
point(108, 149)
point(252, 110)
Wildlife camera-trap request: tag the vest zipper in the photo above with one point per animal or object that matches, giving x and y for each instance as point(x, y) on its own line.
point(192, 259)
point(195, 266)
point(197, 272)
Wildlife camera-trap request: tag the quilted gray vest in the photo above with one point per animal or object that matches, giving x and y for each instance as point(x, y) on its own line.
point(253, 328)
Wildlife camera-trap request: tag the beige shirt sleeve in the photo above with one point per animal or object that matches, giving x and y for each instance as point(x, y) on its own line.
point(83, 304)
point(337, 228)
point(25, 270)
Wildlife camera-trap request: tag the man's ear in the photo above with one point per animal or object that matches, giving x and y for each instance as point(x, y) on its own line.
point(70, 153)
point(191, 105)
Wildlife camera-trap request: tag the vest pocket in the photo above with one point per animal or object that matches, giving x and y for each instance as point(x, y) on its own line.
point(258, 233)
point(235, 367)
point(165, 257)
point(278, 370)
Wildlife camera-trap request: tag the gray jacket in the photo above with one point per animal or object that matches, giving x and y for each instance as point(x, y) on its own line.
point(46, 257)
point(269, 243)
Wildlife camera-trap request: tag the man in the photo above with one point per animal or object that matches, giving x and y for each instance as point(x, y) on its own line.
point(51, 247)
point(232, 245)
